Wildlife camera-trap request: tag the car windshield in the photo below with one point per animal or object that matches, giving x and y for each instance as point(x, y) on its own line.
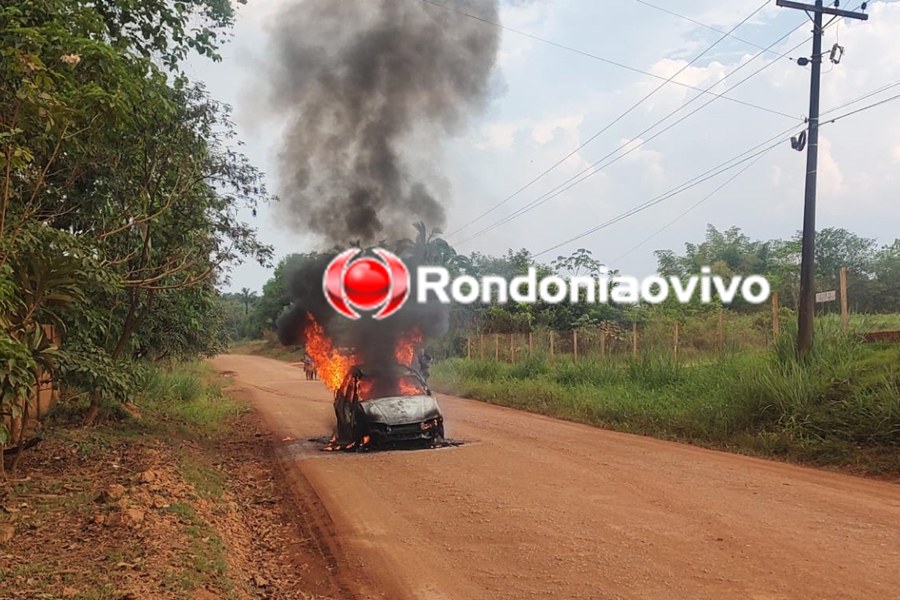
point(372, 388)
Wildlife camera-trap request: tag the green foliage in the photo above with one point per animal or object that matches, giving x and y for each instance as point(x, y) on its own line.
point(120, 190)
point(831, 406)
point(185, 395)
point(159, 27)
point(40, 284)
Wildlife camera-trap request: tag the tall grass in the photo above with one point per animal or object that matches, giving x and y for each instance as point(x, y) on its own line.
point(187, 395)
point(828, 406)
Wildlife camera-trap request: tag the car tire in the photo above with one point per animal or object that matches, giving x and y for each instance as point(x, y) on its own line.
point(438, 438)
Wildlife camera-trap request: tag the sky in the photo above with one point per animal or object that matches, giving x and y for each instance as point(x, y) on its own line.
point(548, 101)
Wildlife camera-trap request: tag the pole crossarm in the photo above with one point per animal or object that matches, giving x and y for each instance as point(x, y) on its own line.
point(823, 9)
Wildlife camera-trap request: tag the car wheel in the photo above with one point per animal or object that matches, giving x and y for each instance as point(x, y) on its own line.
point(438, 437)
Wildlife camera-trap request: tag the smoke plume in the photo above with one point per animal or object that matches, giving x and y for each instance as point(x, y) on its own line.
point(367, 90)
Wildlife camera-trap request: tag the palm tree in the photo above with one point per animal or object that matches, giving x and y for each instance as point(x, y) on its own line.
point(430, 249)
point(247, 297)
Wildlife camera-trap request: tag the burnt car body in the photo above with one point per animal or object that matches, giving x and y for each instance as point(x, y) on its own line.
point(389, 405)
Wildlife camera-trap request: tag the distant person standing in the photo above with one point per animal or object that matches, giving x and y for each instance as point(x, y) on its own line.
point(308, 366)
point(425, 365)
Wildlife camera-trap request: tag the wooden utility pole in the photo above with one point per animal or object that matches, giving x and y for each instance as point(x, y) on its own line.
point(845, 313)
point(807, 301)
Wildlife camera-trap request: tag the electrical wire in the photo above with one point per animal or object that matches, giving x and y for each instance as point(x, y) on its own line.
point(701, 201)
point(705, 26)
point(594, 56)
point(595, 167)
point(604, 129)
point(759, 155)
point(859, 110)
point(573, 181)
point(668, 195)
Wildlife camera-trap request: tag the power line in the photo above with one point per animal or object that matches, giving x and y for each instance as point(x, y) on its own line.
point(571, 182)
point(705, 26)
point(859, 110)
point(701, 201)
point(865, 96)
point(714, 192)
point(606, 128)
point(588, 54)
point(666, 196)
point(593, 168)
point(702, 178)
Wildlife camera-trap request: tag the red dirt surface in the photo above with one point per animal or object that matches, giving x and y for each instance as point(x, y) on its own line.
point(532, 507)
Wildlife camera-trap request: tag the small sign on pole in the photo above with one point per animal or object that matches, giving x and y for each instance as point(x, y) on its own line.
point(826, 296)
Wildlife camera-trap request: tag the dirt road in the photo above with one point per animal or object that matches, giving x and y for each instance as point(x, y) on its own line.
point(531, 507)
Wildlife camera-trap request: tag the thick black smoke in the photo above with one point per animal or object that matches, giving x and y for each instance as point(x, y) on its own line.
point(367, 89)
point(374, 340)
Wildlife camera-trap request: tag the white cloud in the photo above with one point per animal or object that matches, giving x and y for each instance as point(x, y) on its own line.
point(830, 179)
point(554, 101)
point(546, 131)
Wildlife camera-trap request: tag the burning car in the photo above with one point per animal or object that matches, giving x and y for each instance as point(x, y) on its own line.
point(384, 405)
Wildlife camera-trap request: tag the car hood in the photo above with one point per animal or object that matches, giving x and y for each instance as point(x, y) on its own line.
point(401, 410)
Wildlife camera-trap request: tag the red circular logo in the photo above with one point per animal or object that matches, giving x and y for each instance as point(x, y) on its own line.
point(366, 283)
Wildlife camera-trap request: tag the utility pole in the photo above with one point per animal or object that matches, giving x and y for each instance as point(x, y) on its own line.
point(807, 301)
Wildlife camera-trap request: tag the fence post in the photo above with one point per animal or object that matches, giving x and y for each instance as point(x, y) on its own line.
point(481, 345)
point(468, 348)
point(551, 347)
point(575, 345)
point(603, 344)
point(634, 344)
point(845, 314)
point(721, 330)
point(530, 344)
point(776, 324)
point(676, 341)
point(496, 347)
point(512, 348)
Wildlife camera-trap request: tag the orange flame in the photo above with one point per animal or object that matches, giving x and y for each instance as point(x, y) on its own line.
point(405, 350)
point(332, 364)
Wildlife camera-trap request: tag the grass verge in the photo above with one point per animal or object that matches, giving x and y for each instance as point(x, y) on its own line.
point(837, 407)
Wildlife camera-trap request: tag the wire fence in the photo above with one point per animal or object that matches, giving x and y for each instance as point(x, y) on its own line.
point(681, 339)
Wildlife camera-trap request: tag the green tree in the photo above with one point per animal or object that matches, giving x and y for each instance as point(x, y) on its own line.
point(430, 249)
point(135, 168)
point(248, 297)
